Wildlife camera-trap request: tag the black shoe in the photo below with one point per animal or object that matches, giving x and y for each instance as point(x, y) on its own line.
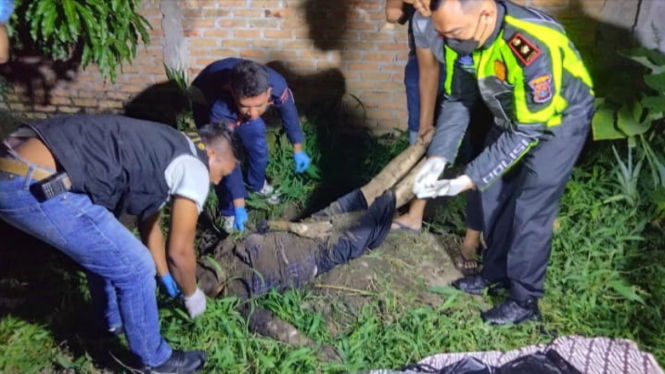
point(180, 362)
point(511, 311)
point(475, 284)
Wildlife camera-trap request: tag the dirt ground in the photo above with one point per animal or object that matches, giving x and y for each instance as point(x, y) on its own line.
point(401, 270)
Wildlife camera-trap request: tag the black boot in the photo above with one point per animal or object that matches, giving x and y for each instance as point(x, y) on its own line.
point(475, 284)
point(180, 362)
point(512, 311)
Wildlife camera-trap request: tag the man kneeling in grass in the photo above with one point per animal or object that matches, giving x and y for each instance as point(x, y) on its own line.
point(283, 260)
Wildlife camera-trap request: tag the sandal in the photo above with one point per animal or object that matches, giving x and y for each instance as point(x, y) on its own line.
point(465, 265)
point(402, 228)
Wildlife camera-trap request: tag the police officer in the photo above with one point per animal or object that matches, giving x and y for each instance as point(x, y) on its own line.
point(531, 77)
point(239, 92)
point(65, 180)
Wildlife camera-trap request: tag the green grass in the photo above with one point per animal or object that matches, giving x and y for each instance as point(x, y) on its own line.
point(605, 278)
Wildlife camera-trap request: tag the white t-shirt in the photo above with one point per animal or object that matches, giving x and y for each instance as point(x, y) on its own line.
point(188, 177)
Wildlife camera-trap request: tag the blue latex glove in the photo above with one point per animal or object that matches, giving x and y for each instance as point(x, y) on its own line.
point(302, 161)
point(6, 10)
point(170, 285)
point(241, 218)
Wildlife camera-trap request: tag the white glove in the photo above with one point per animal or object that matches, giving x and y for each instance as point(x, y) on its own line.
point(428, 174)
point(195, 303)
point(446, 187)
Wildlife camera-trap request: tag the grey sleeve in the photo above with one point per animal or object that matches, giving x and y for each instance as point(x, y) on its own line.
point(455, 114)
point(420, 27)
point(509, 148)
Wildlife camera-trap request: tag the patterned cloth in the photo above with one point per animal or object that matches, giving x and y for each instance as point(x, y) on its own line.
point(588, 355)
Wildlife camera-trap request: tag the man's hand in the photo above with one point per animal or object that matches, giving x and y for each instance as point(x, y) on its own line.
point(240, 218)
point(428, 174)
point(302, 161)
point(169, 284)
point(421, 6)
point(446, 187)
point(195, 303)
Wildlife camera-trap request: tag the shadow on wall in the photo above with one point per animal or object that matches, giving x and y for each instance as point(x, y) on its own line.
point(161, 102)
point(37, 75)
point(327, 21)
point(315, 93)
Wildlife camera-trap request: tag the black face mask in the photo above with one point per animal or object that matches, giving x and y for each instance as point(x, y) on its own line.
point(462, 47)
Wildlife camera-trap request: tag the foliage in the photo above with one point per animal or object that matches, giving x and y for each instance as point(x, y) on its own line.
point(184, 119)
point(105, 32)
point(605, 279)
point(639, 120)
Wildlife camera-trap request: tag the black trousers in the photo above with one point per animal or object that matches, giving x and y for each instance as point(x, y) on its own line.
point(519, 209)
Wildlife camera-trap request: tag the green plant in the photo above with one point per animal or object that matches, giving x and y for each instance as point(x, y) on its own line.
point(639, 121)
point(180, 78)
point(104, 32)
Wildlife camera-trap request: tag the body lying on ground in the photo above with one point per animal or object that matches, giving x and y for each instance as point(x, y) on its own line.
point(283, 260)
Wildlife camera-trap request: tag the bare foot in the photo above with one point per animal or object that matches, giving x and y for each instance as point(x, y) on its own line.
point(469, 250)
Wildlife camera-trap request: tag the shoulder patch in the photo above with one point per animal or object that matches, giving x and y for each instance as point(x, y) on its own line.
point(542, 88)
point(525, 50)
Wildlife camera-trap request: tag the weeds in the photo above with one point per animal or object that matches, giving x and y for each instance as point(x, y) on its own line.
point(605, 279)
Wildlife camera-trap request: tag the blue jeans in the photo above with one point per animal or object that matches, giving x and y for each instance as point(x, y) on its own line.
point(121, 272)
point(253, 137)
point(411, 82)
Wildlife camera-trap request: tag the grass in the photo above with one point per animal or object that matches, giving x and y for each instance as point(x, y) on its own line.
point(605, 279)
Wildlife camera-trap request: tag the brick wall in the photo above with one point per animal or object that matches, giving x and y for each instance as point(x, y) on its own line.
point(325, 48)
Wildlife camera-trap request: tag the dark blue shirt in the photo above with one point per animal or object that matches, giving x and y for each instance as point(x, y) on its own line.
point(216, 76)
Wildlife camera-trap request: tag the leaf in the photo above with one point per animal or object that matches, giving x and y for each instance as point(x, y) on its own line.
point(624, 289)
point(654, 103)
point(627, 124)
point(73, 21)
point(603, 124)
point(656, 81)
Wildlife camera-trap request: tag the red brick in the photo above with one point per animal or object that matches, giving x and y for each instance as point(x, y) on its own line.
point(279, 13)
point(216, 33)
point(60, 101)
point(209, 42)
point(246, 34)
point(252, 53)
point(247, 13)
point(231, 23)
point(277, 34)
point(236, 43)
point(45, 108)
point(375, 76)
point(384, 57)
point(363, 66)
point(296, 44)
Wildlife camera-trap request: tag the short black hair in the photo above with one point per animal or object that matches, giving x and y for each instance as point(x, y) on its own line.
point(215, 132)
point(249, 79)
point(435, 4)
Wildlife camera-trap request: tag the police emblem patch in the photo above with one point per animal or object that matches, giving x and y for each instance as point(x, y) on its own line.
point(542, 88)
point(526, 51)
point(500, 70)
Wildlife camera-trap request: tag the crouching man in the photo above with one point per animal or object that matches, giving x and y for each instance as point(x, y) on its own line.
point(65, 180)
